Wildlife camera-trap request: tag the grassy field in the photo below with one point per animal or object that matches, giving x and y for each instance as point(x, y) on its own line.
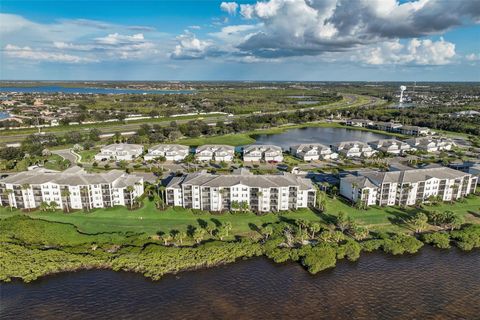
point(150, 220)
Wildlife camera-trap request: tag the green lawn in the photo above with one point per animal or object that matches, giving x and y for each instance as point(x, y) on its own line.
point(150, 220)
point(229, 139)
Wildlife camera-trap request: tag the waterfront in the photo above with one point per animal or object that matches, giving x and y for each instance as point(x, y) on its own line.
point(326, 136)
point(432, 284)
point(87, 90)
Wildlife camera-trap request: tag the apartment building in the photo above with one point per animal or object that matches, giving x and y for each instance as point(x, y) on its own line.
point(407, 187)
point(354, 149)
point(70, 189)
point(260, 193)
point(267, 153)
point(313, 151)
point(215, 152)
point(171, 152)
point(431, 144)
point(414, 130)
point(363, 123)
point(120, 151)
point(391, 146)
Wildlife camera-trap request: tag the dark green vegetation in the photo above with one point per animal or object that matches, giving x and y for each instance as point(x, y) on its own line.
point(155, 243)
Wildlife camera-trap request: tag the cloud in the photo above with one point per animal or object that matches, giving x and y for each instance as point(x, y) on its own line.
point(313, 27)
point(229, 7)
point(117, 39)
point(415, 52)
point(189, 47)
point(472, 57)
point(38, 55)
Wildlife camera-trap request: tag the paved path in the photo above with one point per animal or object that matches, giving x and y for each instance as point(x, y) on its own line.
point(66, 154)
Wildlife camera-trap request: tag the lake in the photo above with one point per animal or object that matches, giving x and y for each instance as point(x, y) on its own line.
point(431, 284)
point(322, 135)
point(59, 89)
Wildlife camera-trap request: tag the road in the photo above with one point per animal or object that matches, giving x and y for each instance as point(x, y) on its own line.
point(66, 154)
point(349, 100)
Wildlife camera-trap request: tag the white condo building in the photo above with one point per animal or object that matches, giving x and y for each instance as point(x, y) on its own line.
point(392, 146)
point(261, 193)
point(313, 151)
point(431, 144)
point(407, 187)
point(28, 189)
point(171, 152)
point(354, 149)
point(262, 152)
point(119, 151)
point(215, 152)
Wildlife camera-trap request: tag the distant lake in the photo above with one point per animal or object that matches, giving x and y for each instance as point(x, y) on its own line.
point(433, 284)
point(59, 89)
point(326, 136)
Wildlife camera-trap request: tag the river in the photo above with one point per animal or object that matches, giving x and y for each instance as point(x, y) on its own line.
point(327, 136)
point(88, 90)
point(432, 284)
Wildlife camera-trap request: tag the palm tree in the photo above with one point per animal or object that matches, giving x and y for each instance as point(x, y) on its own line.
point(314, 228)
point(180, 237)
point(244, 206)
point(8, 193)
point(44, 206)
point(130, 189)
point(227, 226)
point(53, 205)
point(235, 205)
point(66, 195)
point(267, 231)
point(26, 187)
point(354, 189)
point(198, 235)
point(161, 193)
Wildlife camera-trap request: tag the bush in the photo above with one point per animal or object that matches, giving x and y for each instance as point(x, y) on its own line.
point(437, 239)
point(468, 238)
point(320, 258)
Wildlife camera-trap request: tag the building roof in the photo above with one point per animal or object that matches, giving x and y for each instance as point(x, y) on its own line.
point(305, 147)
point(215, 148)
point(267, 148)
point(74, 176)
point(122, 147)
point(243, 177)
point(169, 148)
point(377, 178)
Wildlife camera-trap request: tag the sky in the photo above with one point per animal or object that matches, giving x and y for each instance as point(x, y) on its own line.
point(284, 40)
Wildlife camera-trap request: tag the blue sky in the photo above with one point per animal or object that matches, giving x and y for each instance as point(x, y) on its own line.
point(336, 40)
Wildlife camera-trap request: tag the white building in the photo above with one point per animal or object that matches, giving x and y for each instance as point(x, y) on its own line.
point(354, 149)
point(414, 130)
point(391, 146)
point(407, 187)
point(267, 153)
point(260, 193)
point(171, 152)
point(431, 144)
point(359, 123)
point(313, 151)
point(120, 151)
point(70, 189)
point(215, 152)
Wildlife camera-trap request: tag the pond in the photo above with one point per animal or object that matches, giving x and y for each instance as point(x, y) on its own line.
point(433, 284)
point(326, 136)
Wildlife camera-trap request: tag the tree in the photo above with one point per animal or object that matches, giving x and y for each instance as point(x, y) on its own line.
point(53, 205)
point(66, 195)
point(8, 193)
point(359, 233)
point(244, 206)
point(210, 228)
point(314, 227)
point(44, 206)
point(130, 189)
point(266, 231)
point(198, 235)
point(180, 237)
point(227, 226)
point(342, 221)
point(419, 222)
point(166, 237)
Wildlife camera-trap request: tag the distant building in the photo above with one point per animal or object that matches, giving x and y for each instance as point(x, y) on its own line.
point(85, 190)
point(467, 113)
point(120, 151)
point(313, 151)
point(391, 146)
point(354, 149)
point(260, 193)
point(262, 152)
point(431, 144)
point(171, 152)
point(414, 130)
point(407, 187)
point(359, 123)
point(215, 152)
point(388, 126)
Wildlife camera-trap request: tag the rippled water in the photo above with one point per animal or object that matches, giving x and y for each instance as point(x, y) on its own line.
point(431, 285)
point(327, 136)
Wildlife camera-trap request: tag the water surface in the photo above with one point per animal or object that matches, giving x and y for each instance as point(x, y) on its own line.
point(433, 284)
point(86, 90)
point(327, 136)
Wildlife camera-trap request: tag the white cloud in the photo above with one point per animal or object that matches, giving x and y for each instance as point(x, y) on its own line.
point(472, 57)
point(28, 53)
point(116, 39)
point(417, 52)
point(229, 7)
point(189, 47)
